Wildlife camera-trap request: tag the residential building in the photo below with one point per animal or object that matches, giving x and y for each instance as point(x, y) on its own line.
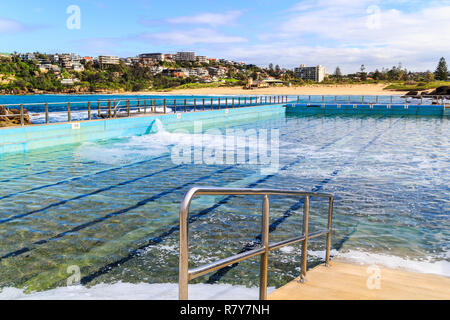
point(170, 57)
point(27, 57)
point(65, 61)
point(202, 59)
point(108, 60)
point(316, 74)
point(157, 70)
point(185, 56)
point(154, 57)
point(78, 67)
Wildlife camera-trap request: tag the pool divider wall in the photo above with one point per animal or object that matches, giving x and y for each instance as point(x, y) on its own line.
point(394, 109)
point(27, 138)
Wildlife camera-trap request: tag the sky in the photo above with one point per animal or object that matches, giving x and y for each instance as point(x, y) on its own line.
point(344, 33)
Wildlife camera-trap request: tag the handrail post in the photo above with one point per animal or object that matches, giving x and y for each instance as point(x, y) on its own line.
point(330, 229)
point(183, 280)
point(128, 107)
point(305, 242)
point(212, 104)
point(99, 109)
point(175, 105)
point(185, 105)
point(69, 116)
point(22, 117)
point(265, 243)
point(219, 103)
point(109, 109)
point(89, 110)
point(165, 107)
point(46, 114)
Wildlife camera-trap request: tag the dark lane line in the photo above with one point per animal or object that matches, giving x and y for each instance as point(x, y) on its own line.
point(80, 177)
point(116, 213)
point(218, 275)
point(25, 176)
point(22, 215)
point(192, 218)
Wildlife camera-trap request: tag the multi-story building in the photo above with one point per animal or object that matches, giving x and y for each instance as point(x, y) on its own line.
point(185, 56)
point(202, 59)
point(108, 60)
point(157, 69)
point(170, 57)
point(65, 61)
point(316, 74)
point(155, 57)
point(27, 57)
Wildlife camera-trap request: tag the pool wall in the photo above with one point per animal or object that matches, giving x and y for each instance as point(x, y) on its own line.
point(27, 138)
point(394, 109)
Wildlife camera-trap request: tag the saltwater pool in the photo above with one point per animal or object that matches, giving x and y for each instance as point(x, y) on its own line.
point(111, 207)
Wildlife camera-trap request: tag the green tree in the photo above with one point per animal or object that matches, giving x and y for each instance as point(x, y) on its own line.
point(441, 70)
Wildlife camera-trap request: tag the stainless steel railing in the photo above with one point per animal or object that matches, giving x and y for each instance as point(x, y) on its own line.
point(186, 275)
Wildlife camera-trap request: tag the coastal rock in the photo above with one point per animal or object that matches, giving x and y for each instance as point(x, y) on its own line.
point(12, 117)
point(441, 91)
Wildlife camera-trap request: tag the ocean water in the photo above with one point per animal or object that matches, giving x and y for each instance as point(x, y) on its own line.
point(110, 209)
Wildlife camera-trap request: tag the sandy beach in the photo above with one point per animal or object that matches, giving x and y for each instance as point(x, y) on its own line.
point(355, 89)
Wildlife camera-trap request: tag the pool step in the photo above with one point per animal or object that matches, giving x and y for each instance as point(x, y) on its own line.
point(343, 281)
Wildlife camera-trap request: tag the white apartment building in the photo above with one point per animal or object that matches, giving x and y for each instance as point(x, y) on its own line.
point(185, 56)
point(202, 59)
point(108, 60)
point(152, 56)
point(316, 74)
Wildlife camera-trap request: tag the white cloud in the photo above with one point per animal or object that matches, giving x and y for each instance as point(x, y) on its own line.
point(193, 37)
point(212, 19)
point(346, 33)
point(10, 26)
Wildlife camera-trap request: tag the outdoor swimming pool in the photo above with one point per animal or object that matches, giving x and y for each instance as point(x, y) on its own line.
point(110, 207)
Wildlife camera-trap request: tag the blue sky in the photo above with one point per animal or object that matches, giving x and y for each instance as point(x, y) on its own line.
point(345, 33)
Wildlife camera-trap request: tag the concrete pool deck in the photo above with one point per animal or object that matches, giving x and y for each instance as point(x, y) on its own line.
point(344, 281)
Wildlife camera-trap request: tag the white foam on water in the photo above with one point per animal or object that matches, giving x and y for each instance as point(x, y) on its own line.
point(143, 291)
point(431, 266)
point(136, 148)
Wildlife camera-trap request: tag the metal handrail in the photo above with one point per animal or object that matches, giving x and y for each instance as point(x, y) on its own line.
point(185, 275)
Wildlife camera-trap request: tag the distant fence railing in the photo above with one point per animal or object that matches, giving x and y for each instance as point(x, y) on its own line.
point(52, 112)
point(116, 108)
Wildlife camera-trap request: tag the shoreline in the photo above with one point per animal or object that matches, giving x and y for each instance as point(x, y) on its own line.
point(318, 89)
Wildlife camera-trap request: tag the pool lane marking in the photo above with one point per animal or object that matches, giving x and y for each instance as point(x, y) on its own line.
point(116, 213)
point(192, 218)
point(82, 177)
point(25, 176)
point(26, 249)
point(218, 275)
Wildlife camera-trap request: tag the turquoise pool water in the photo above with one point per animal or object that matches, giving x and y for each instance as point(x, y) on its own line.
point(111, 207)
